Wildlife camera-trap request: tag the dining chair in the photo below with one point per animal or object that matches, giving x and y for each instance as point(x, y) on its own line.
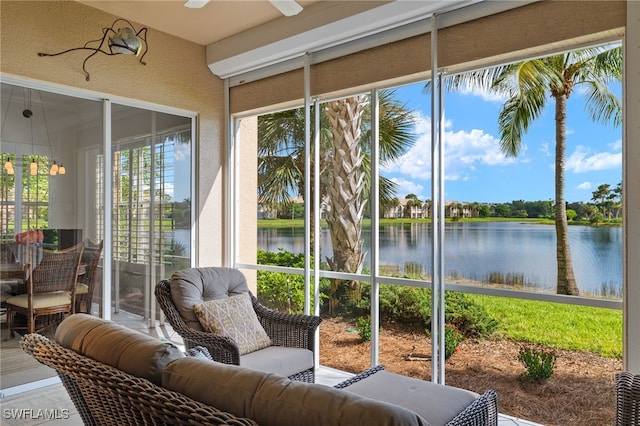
point(7, 253)
point(87, 281)
point(51, 289)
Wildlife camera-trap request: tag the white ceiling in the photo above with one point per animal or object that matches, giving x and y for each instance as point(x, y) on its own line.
point(217, 20)
point(242, 36)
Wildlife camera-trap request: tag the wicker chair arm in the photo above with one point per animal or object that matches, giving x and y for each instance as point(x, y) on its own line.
point(116, 398)
point(359, 377)
point(627, 390)
point(222, 348)
point(481, 412)
point(290, 330)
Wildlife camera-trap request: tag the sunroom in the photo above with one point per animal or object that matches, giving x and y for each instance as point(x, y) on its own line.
point(162, 152)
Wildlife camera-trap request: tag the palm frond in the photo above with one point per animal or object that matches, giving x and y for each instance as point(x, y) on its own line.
point(602, 105)
point(395, 127)
point(278, 178)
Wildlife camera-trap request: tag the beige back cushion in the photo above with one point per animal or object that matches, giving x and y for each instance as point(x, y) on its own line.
point(128, 350)
point(193, 286)
point(271, 399)
point(234, 317)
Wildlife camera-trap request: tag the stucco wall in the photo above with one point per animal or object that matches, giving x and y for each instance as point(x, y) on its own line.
point(175, 75)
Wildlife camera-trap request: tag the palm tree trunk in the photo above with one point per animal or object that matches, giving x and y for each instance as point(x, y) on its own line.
point(345, 212)
point(566, 280)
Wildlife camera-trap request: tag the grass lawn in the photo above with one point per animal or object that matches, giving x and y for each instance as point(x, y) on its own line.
point(556, 325)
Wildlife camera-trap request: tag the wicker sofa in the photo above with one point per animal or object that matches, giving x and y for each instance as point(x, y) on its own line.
point(118, 376)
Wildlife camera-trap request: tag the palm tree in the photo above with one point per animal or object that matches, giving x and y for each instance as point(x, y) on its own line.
point(345, 164)
point(528, 86)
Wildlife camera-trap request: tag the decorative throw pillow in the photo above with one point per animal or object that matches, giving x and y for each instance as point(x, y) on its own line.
point(235, 318)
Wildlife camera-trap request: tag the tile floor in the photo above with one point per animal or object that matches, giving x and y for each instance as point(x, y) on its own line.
point(50, 405)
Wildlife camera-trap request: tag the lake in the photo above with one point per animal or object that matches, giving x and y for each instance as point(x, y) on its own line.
point(475, 250)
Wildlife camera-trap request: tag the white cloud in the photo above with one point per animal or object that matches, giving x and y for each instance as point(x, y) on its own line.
point(584, 185)
point(182, 151)
point(616, 145)
point(582, 160)
point(409, 187)
point(464, 151)
point(544, 148)
point(489, 96)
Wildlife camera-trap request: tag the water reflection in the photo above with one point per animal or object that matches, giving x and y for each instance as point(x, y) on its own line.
point(479, 251)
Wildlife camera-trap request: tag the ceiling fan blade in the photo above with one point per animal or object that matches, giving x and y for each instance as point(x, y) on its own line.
point(195, 4)
point(287, 7)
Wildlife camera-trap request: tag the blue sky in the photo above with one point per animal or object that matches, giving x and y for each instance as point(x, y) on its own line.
point(476, 171)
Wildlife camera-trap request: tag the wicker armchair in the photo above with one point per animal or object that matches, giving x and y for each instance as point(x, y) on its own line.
point(286, 331)
point(104, 395)
point(87, 281)
point(627, 399)
point(51, 288)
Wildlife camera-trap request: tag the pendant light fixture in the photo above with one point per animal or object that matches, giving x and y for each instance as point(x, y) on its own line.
point(27, 113)
point(56, 168)
point(8, 166)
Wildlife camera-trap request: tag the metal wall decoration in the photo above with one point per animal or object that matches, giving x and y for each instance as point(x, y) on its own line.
point(125, 40)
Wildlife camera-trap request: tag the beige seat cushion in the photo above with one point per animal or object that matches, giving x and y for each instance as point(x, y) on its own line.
point(271, 399)
point(279, 359)
point(82, 288)
point(40, 301)
point(438, 404)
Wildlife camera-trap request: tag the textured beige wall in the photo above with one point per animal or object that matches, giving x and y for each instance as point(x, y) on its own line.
point(176, 76)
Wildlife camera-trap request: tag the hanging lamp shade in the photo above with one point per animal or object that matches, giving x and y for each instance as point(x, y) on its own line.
point(33, 168)
point(54, 169)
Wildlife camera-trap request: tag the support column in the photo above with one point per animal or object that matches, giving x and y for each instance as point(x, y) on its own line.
point(631, 190)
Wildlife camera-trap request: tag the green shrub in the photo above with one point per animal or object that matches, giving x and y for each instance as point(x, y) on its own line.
point(451, 341)
point(408, 305)
point(412, 305)
point(403, 304)
point(281, 291)
point(468, 317)
point(538, 363)
point(363, 325)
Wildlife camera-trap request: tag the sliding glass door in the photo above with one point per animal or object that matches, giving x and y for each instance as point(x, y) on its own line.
point(50, 145)
point(151, 203)
point(137, 200)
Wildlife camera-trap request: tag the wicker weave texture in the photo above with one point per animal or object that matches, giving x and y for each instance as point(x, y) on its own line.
point(627, 399)
point(297, 331)
point(57, 271)
point(90, 258)
point(105, 395)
